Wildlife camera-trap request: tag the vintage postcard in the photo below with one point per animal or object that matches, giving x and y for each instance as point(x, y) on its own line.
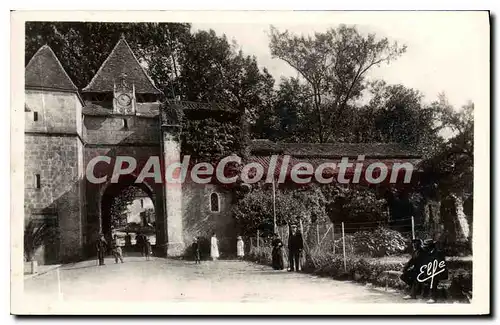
point(182, 163)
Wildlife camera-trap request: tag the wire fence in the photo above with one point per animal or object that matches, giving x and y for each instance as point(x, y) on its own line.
point(354, 239)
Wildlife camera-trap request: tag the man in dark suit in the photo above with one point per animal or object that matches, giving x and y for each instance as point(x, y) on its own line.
point(411, 269)
point(295, 246)
point(101, 246)
point(435, 257)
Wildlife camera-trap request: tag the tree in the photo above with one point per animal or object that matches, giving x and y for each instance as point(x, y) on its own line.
point(451, 169)
point(211, 70)
point(255, 210)
point(334, 65)
point(400, 115)
point(119, 206)
point(354, 204)
point(287, 118)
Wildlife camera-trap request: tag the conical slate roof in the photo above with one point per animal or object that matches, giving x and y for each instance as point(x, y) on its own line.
point(45, 71)
point(121, 61)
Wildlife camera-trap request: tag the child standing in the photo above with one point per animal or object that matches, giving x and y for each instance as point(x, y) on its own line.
point(240, 248)
point(196, 251)
point(117, 250)
point(214, 247)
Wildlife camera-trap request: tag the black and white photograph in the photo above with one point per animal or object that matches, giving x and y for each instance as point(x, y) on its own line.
point(289, 160)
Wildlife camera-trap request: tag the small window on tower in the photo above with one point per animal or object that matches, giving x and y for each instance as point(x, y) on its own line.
point(214, 202)
point(37, 181)
point(35, 116)
point(125, 123)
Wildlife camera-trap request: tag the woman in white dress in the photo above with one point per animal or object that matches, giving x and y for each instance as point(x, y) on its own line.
point(240, 248)
point(214, 247)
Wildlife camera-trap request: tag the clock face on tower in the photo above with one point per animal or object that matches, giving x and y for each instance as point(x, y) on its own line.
point(124, 100)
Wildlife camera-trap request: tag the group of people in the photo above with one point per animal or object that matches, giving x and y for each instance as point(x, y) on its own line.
point(425, 269)
point(295, 247)
point(116, 250)
point(214, 248)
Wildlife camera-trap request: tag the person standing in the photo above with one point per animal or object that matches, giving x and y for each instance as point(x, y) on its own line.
point(196, 251)
point(295, 246)
point(277, 254)
point(147, 247)
point(214, 247)
point(143, 245)
point(139, 241)
point(240, 248)
point(411, 269)
point(101, 246)
point(117, 250)
point(433, 255)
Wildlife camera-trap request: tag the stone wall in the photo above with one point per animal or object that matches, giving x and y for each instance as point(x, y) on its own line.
point(54, 154)
point(55, 159)
point(199, 220)
point(121, 130)
point(58, 112)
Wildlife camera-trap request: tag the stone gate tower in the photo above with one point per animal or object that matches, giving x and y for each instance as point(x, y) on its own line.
point(121, 118)
point(53, 164)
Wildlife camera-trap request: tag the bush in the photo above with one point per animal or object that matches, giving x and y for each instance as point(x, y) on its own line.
point(457, 248)
point(460, 283)
point(378, 243)
point(261, 255)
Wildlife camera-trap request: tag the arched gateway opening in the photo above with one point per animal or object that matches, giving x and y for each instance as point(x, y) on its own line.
point(127, 210)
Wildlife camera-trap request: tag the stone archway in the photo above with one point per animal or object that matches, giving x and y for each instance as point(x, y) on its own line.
point(111, 191)
point(98, 197)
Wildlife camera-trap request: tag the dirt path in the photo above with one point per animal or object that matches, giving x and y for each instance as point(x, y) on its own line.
point(174, 280)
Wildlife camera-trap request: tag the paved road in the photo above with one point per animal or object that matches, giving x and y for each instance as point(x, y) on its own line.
point(175, 280)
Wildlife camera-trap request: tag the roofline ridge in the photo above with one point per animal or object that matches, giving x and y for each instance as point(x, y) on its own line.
point(34, 55)
point(136, 60)
point(197, 102)
point(122, 39)
point(344, 143)
point(75, 89)
point(64, 70)
point(100, 68)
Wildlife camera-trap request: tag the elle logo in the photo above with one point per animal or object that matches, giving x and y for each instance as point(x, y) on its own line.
point(431, 270)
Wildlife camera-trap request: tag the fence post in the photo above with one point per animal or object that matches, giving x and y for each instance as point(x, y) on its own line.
point(343, 244)
point(412, 227)
point(258, 239)
point(303, 255)
point(317, 234)
point(333, 237)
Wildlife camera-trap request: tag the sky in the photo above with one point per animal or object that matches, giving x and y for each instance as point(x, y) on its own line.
point(446, 51)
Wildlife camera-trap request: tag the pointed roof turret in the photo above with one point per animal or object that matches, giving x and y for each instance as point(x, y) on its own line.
point(44, 70)
point(121, 62)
